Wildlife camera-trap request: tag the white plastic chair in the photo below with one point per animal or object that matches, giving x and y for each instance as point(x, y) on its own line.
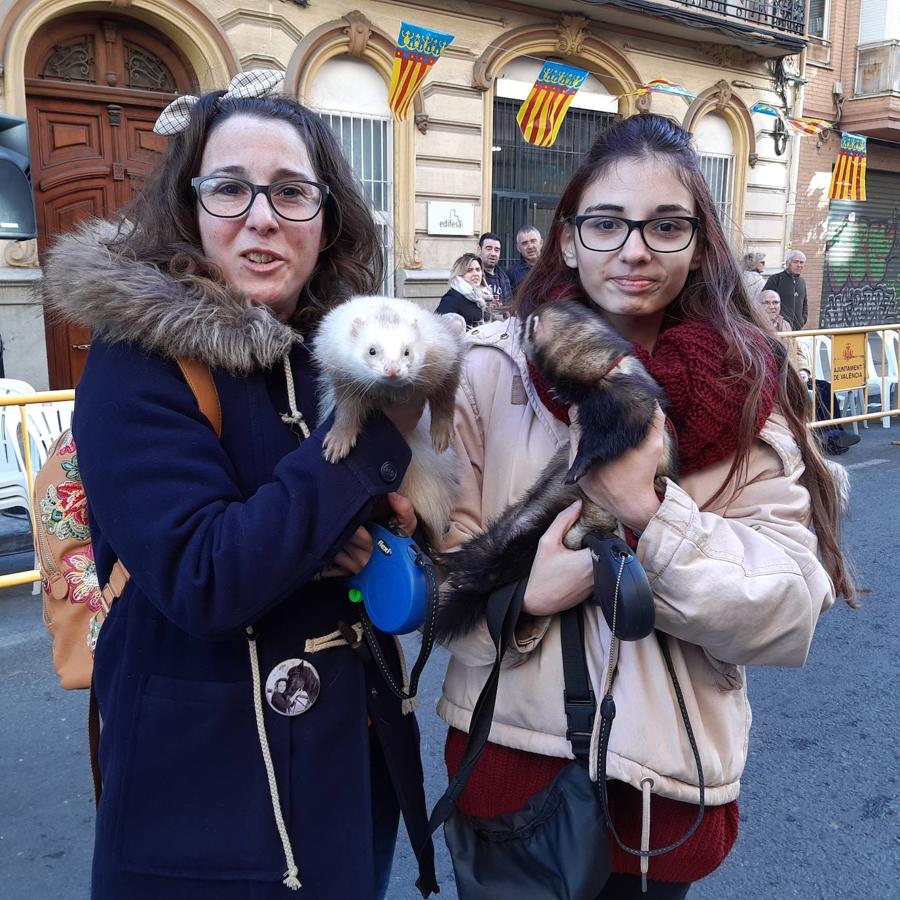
point(823, 370)
point(46, 421)
point(888, 378)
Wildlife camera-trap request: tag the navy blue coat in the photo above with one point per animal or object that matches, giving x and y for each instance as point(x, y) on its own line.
point(219, 535)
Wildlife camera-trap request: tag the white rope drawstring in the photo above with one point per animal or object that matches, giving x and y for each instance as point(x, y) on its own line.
point(334, 639)
point(294, 417)
point(646, 784)
point(291, 879)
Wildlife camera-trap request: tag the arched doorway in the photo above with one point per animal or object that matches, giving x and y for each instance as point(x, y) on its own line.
point(94, 87)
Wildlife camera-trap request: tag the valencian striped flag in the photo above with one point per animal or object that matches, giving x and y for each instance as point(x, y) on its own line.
point(848, 180)
point(418, 49)
point(541, 115)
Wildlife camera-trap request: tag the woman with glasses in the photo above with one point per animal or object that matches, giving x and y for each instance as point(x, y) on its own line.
point(742, 554)
point(236, 543)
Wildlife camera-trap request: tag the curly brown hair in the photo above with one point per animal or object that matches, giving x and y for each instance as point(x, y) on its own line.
point(160, 226)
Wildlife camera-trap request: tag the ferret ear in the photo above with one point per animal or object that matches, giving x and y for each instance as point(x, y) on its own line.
point(356, 326)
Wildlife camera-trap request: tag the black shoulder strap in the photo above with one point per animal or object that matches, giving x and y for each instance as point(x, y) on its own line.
point(578, 696)
point(503, 609)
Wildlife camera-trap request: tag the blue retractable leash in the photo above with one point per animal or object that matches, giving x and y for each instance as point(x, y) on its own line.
point(398, 591)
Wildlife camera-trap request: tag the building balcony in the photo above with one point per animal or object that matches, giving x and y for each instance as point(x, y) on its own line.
point(874, 108)
point(767, 28)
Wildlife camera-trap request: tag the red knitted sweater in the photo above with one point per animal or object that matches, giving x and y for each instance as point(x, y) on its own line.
point(706, 401)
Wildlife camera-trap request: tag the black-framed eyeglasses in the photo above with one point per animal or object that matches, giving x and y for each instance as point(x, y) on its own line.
point(227, 197)
point(665, 234)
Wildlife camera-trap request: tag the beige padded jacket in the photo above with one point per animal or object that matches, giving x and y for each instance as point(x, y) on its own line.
point(739, 584)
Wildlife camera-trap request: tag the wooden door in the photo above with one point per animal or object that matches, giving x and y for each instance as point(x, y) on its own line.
point(94, 89)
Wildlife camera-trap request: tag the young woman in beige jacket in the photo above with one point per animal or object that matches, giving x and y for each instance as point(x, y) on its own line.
point(742, 553)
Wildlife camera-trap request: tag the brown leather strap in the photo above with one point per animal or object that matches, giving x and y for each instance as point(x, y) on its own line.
point(94, 743)
point(200, 381)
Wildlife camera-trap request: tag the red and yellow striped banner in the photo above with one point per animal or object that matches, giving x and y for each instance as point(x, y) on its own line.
point(848, 179)
point(418, 49)
point(544, 109)
point(808, 125)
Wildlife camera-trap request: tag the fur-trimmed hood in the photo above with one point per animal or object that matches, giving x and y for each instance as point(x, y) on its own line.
point(122, 299)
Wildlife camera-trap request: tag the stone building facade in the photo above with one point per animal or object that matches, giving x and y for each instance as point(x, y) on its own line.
point(90, 77)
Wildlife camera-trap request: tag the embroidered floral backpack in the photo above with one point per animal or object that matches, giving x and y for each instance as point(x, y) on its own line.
point(74, 603)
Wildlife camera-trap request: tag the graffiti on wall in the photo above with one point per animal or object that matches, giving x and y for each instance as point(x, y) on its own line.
point(861, 285)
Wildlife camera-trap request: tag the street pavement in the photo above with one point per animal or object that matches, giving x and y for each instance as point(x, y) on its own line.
point(820, 817)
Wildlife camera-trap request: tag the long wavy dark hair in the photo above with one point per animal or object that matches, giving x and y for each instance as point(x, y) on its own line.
point(713, 293)
point(160, 225)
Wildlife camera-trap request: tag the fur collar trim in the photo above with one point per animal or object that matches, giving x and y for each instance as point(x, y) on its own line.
point(122, 299)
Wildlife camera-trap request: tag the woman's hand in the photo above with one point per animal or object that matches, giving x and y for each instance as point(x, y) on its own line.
point(560, 578)
point(404, 516)
point(625, 486)
point(405, 416)
point(351, 558)
point(354, 555)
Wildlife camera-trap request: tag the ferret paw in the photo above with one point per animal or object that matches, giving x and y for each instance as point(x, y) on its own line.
point(442, 438)
point(337, 445)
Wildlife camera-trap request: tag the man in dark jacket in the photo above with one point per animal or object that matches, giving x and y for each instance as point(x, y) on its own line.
point(528, 243)
point(791, 287)
point(489, 247)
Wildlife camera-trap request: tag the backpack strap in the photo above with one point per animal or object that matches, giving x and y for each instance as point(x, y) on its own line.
point(200, 381)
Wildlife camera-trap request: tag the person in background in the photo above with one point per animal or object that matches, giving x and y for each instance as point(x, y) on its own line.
point(834, 439)
point(791, 288)
point(250, 230)
point(468, 296)
point(752, 275)
point(489, 248)
point(529, 243)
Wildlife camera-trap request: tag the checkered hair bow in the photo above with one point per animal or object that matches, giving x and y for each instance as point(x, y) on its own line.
point(255, 83)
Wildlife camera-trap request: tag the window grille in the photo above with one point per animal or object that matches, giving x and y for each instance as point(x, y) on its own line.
point(367, 142)
point(718, 170)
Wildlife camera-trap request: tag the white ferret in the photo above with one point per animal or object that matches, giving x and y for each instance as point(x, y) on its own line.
point(374, 351)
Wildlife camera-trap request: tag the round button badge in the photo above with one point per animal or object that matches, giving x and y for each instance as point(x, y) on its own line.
point(292, 687)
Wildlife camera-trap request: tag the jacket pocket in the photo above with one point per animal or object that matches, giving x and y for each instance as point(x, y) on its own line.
point(196, 800)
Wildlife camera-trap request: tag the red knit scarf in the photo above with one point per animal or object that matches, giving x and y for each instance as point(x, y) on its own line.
point(706, 393)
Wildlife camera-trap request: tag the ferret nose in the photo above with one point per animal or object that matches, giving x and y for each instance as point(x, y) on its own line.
point(392, 371)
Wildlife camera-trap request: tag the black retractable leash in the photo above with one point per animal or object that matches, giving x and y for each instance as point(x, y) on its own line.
point(624, 595)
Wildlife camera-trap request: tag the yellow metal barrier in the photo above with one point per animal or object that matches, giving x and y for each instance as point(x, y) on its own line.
point(22, 401)
point(886, 409)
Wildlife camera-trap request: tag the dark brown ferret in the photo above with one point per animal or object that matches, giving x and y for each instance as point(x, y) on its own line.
point(589, 365)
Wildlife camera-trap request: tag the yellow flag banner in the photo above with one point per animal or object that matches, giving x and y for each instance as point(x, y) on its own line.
point(848, 179)
point(544, 109)
point(418, 49)
point(848, 361)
